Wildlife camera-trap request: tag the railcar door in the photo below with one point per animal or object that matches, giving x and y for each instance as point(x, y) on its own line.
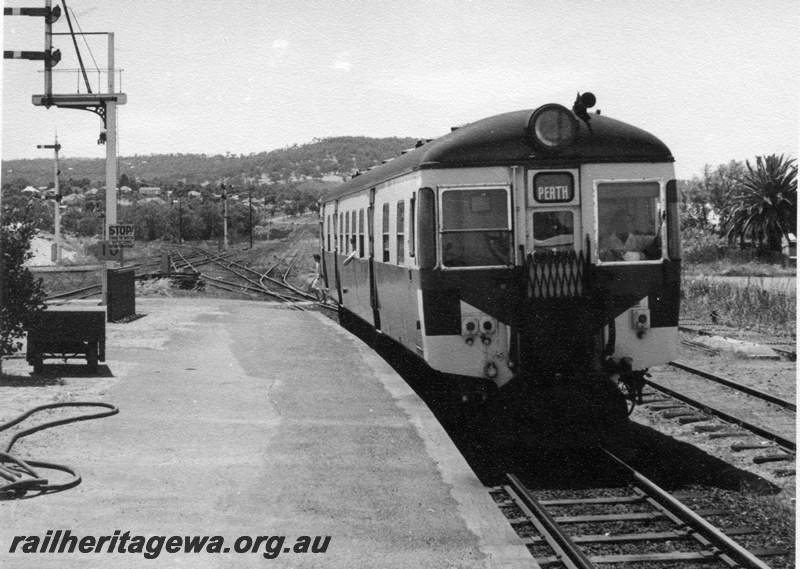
point(553, 214)
point(559, 323)
point(373, 287)
point(337, 249)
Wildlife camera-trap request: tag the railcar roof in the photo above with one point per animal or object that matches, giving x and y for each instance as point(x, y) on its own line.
point(500, 140)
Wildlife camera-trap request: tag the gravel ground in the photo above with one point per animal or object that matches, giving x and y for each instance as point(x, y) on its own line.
point(774, 377)
point(758, 493)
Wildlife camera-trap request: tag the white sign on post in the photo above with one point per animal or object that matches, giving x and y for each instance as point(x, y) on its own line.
point(121, 234)
point(110, 251)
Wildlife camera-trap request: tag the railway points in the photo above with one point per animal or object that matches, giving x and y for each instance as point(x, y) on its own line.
point(228, 426)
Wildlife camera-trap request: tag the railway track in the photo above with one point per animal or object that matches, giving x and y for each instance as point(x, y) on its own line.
point(764, 426)
point(146, 268)
point(735, 385)
point(237, 275)
point(259, 284)
point(633, 522)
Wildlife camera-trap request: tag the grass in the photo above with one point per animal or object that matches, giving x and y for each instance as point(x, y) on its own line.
point(747, 306)
point(154, 287)
point(59, 283)
point(727, 268)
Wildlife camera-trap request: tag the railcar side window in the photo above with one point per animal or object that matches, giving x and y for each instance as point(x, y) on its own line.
point(629, 226)
point(386, 233)
point(412, 227)
point(361, 233)
point(476, 228)
point(401, 224)
point(347, 233)
point(341, 232)
point(553, 231)
point(354, 236)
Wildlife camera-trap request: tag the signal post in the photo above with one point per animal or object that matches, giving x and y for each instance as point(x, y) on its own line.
point(102, 104)
point(57, 200)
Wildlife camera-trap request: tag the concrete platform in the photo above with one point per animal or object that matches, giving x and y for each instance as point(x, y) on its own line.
point(247, 419)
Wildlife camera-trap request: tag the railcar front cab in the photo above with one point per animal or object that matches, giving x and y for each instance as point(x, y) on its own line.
point(592, 238)
point(602, 237)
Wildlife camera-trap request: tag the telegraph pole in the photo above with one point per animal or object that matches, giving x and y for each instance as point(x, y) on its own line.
point(57, 200)
point(224, 218)
point(250, 211)
point(180, 221)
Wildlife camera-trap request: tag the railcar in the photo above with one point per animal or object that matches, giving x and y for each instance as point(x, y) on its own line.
point(531, 259)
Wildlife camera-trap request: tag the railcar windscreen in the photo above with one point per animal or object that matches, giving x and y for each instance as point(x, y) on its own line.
point(475, 228)
point(553, 231)
point(629, 221)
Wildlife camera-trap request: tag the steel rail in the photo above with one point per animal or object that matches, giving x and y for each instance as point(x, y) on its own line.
point(264, 289)
point(77, 293)
point(230, 287)
point(696, 522)
point(258, 288)
point(758, 430)
point(275, 265)
point(735, 385)
point(227, 285)
point(282, 282)
point(290, 265)
point(568, 552)
point(92, 290)
point(183, 258)
point(287, 284)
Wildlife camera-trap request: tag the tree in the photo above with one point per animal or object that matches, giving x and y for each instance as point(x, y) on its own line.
point(706, 196)
point(764, 209)
point(21, 296)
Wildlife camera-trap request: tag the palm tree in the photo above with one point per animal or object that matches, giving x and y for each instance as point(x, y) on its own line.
point(764, 209)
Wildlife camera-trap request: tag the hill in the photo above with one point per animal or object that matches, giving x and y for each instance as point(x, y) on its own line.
point(326, 160)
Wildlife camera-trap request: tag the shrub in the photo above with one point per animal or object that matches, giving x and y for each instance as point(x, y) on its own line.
point(22, 295)
point(747, 306)
point(154, 287)
point(701, 246)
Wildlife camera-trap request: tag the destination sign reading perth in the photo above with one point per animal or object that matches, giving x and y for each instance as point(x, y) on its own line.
point(553, 188)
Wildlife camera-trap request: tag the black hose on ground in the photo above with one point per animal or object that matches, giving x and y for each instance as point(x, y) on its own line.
point(20, 474)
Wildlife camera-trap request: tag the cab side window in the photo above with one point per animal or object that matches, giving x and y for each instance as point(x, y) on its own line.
point(629, 221)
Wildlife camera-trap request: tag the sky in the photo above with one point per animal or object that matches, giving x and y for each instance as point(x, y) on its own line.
point(714, 80)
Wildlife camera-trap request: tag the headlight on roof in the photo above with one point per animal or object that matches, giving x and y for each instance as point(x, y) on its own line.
point(552, 128)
